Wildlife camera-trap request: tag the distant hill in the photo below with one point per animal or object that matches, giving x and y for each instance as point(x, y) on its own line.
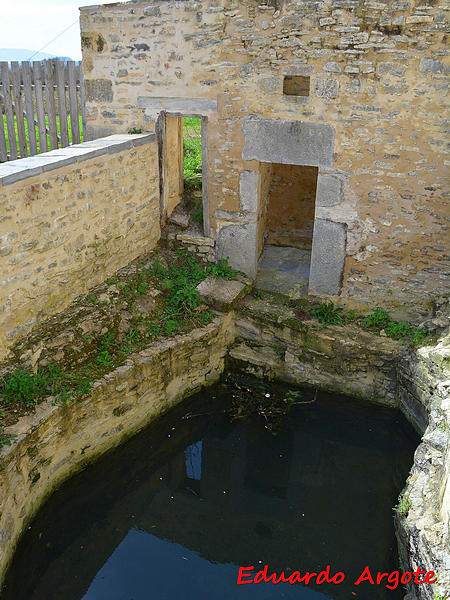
point(20, 54)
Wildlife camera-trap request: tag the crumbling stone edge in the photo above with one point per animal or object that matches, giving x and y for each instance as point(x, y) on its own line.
point(55, 442)
point(422, 526)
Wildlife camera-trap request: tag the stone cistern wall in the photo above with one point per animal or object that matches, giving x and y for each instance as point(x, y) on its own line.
point(55, 441)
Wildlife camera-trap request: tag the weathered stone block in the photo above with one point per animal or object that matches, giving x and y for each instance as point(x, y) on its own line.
point(98, 90)
point(220, 293)
point(248, 191)
point(288, 142)
point(432, 65)
point(329, 190)
point(152, 11)
point(325, 88)
point(239, 243)
point(332, 67)
point(327, 258)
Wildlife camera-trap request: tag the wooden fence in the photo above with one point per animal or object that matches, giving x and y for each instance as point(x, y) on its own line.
point(41, 107)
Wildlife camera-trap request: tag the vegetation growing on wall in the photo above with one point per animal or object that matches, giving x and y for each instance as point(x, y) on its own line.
point(178, 308)
point(378, 322)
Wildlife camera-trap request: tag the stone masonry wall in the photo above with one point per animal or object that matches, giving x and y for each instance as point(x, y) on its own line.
point(70, 219)
point(271, 342)
point(55, 442)
point(377, 79)
point(423, 529)
point(290, 210)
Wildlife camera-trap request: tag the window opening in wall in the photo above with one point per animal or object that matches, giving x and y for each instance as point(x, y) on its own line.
point(289, 194)
point(296, 85)
point(192, 168)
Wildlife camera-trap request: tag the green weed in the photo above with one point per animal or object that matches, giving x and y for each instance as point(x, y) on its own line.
point(222, 270)
point(397, 330)
point(419, 336)
point(377, 320)
point(403, 505)
point(28, 388)
point(328, 314)
point(6, 439)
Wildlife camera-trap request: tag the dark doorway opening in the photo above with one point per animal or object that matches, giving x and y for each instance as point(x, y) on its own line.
point(290, 209)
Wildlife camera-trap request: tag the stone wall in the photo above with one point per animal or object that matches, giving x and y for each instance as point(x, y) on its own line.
point(291, 206)
point(272, 342)
point(423, 528)
point(371, 121)
point(71, 218)
point(55, 442)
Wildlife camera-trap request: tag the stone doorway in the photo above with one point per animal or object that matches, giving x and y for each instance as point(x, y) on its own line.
point(290, 197)
point(175, 129)
point(290, 151)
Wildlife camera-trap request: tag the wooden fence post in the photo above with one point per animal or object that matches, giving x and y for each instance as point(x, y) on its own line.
point(8, 110)
point(43, 146)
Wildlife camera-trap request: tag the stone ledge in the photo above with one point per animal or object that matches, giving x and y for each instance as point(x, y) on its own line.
point(18, 170)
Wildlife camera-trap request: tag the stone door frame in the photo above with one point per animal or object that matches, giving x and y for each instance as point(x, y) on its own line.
point(198, 108)
point(304, 144)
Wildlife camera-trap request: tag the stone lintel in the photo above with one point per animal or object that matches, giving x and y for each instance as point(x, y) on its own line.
point(288, 142)
point(184, 106)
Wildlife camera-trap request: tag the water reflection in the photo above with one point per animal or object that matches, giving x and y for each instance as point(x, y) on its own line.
point(176, 511)
point(176, 572)
point(193, 455)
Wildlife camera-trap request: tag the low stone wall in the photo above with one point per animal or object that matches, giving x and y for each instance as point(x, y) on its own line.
point(55, 442)
point(423, 525)
point(71, 218)
point(272, 342)
point(200, 245)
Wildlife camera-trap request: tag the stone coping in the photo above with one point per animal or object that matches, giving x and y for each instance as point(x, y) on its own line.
point(18, 170)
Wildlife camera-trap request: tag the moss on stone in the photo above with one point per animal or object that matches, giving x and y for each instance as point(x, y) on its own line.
point(295, 324)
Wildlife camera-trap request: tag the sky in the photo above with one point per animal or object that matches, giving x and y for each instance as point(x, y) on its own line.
point(32, 24)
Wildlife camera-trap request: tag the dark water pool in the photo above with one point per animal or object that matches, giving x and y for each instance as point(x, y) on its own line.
point(174, 512)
